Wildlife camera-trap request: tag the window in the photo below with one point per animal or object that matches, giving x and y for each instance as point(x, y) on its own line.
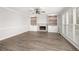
point(33, 20)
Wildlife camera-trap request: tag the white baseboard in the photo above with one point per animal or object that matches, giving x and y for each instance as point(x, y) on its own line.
point(10, 36)
point(10, 32)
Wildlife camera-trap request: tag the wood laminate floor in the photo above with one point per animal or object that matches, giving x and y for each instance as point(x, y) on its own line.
point(36, 41)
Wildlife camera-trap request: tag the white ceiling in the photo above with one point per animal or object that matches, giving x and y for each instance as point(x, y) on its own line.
point(29, 10)
point(52, 10)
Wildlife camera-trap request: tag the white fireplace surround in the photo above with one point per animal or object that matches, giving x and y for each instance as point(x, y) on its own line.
point(41, 24)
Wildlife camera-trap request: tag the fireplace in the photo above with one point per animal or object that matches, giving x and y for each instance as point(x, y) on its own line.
point(42, 27)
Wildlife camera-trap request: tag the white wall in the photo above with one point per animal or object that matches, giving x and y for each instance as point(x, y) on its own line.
point(42, 19)
point(12, 23)
point(33, 28)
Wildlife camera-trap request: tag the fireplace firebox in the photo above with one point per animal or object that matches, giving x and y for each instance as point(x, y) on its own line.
point(42, 27)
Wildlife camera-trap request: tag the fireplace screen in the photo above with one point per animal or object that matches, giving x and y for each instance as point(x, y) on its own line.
point(42, 27)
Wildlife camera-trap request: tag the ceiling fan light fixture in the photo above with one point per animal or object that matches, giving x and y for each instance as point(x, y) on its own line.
point(37, 11)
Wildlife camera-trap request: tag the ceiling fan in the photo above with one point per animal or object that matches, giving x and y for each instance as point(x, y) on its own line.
point(37, 11)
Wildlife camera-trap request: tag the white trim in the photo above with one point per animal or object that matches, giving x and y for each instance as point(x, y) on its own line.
point(10, 36)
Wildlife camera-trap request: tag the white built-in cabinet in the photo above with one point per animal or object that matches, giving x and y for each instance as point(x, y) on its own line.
point(69, 25)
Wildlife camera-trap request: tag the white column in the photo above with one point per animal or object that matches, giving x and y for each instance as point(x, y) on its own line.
point(74, 22)
point(63, 24)
point(67, 23)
